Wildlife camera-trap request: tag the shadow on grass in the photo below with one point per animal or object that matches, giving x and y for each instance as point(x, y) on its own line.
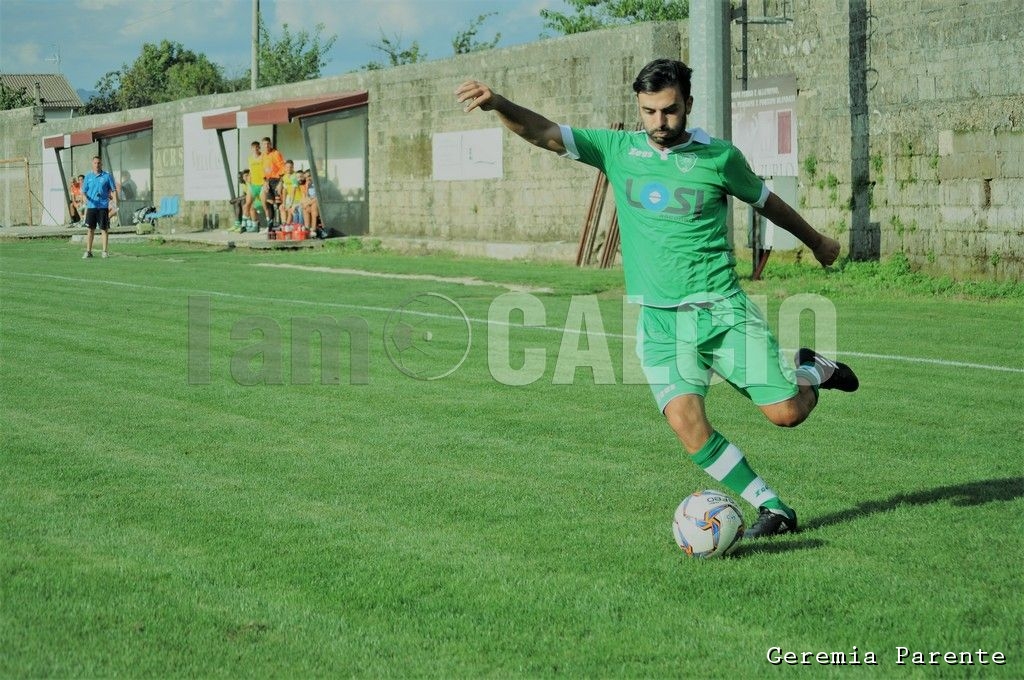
point(972, 493)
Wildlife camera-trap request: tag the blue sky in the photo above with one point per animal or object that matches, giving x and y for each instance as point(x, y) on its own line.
point(97, 36)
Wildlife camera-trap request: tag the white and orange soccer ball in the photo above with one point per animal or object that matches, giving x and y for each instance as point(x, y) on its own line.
point(708, 524)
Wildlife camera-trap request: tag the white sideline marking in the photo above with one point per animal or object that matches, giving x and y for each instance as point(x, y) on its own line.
point(552, 329)
point(464, 280)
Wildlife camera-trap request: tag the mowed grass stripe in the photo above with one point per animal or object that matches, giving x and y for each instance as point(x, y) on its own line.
point(611, 317)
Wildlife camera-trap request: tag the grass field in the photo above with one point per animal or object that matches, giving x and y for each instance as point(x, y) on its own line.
point(178, 499)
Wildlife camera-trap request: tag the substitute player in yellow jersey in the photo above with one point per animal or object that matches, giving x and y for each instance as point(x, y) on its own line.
point(254, 203)
point(671, 187)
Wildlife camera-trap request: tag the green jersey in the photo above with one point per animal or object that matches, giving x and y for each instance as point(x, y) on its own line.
point(672, 209)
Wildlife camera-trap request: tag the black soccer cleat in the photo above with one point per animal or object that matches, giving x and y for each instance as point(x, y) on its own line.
point(835, 375)
point(771, 523)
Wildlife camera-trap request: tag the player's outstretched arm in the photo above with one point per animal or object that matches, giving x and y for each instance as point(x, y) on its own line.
point(531, 126)
point(825, 249)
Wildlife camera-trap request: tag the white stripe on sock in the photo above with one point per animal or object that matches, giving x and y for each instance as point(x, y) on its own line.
point(757, 492)
point(725, 463)
point(812, 374)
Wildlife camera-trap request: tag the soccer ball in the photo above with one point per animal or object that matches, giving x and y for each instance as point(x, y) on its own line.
point(708, 524)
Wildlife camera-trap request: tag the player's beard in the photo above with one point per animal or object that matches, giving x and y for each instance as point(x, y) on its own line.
point(666, 137)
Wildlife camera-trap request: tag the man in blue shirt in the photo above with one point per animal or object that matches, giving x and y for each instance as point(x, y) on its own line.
point(99, 189)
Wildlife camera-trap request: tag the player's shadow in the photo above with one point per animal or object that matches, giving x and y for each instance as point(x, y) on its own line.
point(971, 493)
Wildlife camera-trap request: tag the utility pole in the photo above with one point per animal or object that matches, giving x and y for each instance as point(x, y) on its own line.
point(710, 52)
point(255, 70)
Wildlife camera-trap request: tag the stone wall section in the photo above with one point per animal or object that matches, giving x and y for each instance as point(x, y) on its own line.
point(946, 95)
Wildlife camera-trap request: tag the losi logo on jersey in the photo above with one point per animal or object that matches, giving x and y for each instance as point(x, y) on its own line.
point(657, 197)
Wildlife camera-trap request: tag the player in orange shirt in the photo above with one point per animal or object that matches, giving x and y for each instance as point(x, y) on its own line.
point(77, 205)
point(273, 169)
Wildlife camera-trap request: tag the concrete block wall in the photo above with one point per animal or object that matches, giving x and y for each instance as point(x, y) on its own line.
point(16, 129)
point(946, 102)
point(949, 138)
point(582, 80)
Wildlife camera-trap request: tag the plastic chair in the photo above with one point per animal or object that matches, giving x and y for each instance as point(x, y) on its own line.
point(168, 208)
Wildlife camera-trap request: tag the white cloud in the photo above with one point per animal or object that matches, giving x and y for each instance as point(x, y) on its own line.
point(28, 57)
point(96, 5)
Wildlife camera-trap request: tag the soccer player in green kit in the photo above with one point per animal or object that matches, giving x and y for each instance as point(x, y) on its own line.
point(671, 186)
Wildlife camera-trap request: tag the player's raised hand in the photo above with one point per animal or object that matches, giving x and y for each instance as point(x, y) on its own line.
point(473, 94)
point(827, 251)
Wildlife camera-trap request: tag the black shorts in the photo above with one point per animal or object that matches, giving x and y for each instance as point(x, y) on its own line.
point(272, 187)
point(97, 218)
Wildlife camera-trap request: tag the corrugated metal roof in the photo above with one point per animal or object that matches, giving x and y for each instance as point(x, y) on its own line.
point(285, 110)
point(55, 89)
point(90, 135)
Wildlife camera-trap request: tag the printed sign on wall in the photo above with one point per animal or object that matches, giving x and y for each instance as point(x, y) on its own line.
point(469, 154)
point(764, 125)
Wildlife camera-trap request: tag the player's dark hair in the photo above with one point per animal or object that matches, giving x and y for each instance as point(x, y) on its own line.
point(661, 74)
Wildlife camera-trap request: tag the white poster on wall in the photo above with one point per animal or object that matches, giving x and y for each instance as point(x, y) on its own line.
point(469, 154)
point(205, 179)
point(764, 125)
point(55, 209)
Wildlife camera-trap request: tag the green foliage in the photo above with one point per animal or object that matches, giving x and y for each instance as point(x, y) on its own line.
point(896, 267)
point(354, 244)
point(162, 73)
point(465, 41)
point(810, 165)
point(194, 78)
point(293, 57)
point(897, 225)
point(11, 98)
point(591, 15)
point(895, 276)
point(877, 162)
point(397, 54)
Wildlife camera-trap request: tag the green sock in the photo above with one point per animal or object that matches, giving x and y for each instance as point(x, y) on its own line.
point(727, 464)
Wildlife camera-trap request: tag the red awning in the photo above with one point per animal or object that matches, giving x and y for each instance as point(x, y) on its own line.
point(284, 111)
point(91, 135)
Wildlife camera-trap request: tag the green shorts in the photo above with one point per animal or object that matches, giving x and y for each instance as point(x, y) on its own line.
point(254, 191)
point(681, 348)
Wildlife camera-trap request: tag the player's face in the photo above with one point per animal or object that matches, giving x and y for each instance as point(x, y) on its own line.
point(664, 116)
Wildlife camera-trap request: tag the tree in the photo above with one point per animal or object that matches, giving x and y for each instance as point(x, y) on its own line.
point(11, 98)
point(397, 55)
point(168, 72)
point(465, 41)
point(594, 14)
point(162, 73)
point(293, 57)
